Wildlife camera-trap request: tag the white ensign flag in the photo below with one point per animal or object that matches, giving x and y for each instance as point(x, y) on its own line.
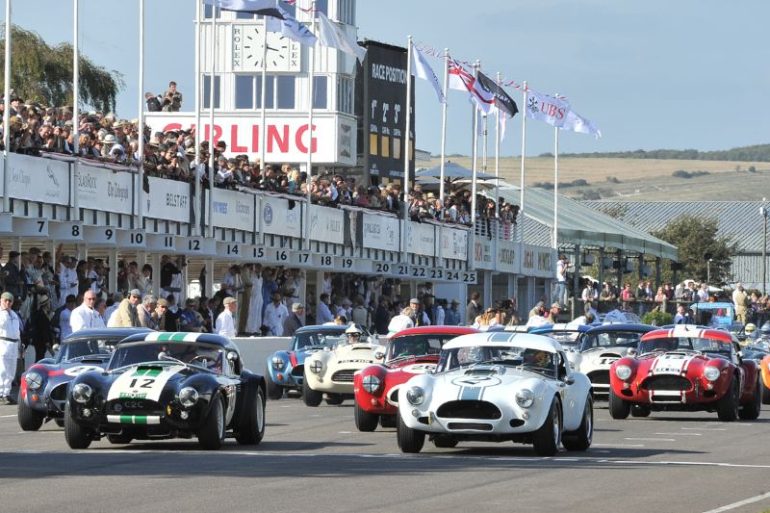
point(421, 69)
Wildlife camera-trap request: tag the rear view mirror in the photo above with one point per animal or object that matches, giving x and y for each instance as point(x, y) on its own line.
point(379, 355)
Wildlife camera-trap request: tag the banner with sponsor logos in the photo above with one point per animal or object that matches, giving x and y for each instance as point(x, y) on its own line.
point(538, 261)
point(287, 138)
point(280, 216)
point(421, 238)
point(103, 189)
point(454, 243)
point(326, 224)
point(507, 257)
point(168, 200)
point(38, 179)
point(483, 253)
point(380, 232)
point(232, 209)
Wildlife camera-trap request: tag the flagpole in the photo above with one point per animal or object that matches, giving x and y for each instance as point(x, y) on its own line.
point(556, 188)
point(497, 157)
point(213, 54)
point(474, 166)
point(407, 147)
point(198, 130)
point(263, 96)
point(521, 215)
point(75, 94)
point(7, 106)
point(443, 129)
point(140, 160)
point(310, 89)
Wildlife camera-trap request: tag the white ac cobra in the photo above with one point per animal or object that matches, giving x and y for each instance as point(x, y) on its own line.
point(498, 387)
point(331, 371)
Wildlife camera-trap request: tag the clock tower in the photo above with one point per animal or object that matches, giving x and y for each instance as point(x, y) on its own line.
point(283, 54)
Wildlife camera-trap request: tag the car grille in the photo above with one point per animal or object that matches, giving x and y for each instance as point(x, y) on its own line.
point(470, 425)
point(668, 383)
point(393, 399)
point(600, 377)
point(59, 393)
point(469, 410)
point(298, 371)
point(343, 376)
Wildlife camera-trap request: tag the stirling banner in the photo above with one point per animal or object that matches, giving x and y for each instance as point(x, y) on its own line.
point(549, 109)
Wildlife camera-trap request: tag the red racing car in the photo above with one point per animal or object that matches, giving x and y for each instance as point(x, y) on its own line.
point(409, 352)
point(687, 368)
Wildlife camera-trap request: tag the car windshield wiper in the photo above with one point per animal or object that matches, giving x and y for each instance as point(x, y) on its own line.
point(96, 356)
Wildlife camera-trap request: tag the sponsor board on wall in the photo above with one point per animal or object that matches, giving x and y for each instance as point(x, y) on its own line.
point(103, 189)
point(38, 179)
point(327, 224)
point(168, 200)
point(380, 232)
point(287, 139)
point(232, 209)
point(421, 238)
point(483, 254)
point(454, 243)
point(538, 261)
point(280, 216)
point(507, 257)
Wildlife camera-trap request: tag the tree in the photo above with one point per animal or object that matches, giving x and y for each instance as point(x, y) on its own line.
point(697, 241)
point(42, 73)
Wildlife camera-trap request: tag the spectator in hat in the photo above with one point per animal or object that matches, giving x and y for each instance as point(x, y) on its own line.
point(167, 321)
point(10, 339)
point(553, 313)
point(225, 324)
point(419, 316)
point(295, 320)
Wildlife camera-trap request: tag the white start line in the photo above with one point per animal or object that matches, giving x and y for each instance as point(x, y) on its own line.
point(738, 504)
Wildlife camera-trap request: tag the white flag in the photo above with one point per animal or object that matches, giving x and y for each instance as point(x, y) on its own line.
point(577, 123)
point(421, 69)
point(331, 35)
point(549, 109)
point(288, 25)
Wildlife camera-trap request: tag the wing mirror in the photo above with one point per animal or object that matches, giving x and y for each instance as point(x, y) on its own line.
point(379, 355)
point(55, 349)
point(569, 380)
point(631, 352)
point(232, 356)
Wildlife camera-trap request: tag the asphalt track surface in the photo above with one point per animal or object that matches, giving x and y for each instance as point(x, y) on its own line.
point(313, 459)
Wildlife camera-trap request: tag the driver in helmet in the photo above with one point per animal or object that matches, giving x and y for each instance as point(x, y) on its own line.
point(751, 333)
point(764, 333)
point(537, 358)
point(353, 334)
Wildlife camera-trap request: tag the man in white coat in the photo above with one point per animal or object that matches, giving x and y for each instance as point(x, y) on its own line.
point(275, 313)
point(10, 339)
point(86, 316)
point(225, 324)
point(254, 321)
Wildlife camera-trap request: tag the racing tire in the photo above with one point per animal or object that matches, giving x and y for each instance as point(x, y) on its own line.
point(119, 439)
point(334, 399)
point(388, 421)
point(619, 409)
point(365, 421)
point(765, 393)
point(640, 410)
point(274, 390)
point(445, 442)
point(409, 440)
point(581, 439)
point(251, 426)
point(77, 436)
point(29, 419)
point(309, 396)
point(211, 435)
point(751, 410)
point(728, 406)
point(547, 438)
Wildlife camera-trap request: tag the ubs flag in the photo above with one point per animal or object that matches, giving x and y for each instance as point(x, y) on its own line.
point(384, 105)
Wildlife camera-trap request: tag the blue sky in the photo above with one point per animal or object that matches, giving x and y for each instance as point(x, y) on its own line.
point(652, 74)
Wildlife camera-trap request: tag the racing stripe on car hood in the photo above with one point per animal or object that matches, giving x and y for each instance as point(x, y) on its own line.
point(470, 393)
point(143, 382)
point(671, 364)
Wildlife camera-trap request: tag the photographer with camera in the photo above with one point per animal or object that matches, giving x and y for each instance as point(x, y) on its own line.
point(172, 99)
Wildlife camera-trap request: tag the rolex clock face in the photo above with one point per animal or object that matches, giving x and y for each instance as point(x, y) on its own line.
point(282, 53)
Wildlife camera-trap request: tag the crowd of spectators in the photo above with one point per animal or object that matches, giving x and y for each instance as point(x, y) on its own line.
point(36, 129)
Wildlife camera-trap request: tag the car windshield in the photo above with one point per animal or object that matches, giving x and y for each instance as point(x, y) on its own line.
point(206, 356)
point(536, 360)
point(610, 339)
point(101, 347)
point(416, 345)
point(703, 345)
point(567, 338)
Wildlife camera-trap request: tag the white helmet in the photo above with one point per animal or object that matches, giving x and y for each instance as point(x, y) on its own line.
point(353, 329)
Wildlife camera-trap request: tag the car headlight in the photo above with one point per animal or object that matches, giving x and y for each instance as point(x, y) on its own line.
point(623, 372)
point(188, 396)
point(34, 380)
point(371, 383)
point(317, 366)
point(711, 373)
point(415, 395)
point(278, 363)
point(525, 398)
point(82, 392)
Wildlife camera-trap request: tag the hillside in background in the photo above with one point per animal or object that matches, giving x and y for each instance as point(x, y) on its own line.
point(623, 175)
point(756, 153)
